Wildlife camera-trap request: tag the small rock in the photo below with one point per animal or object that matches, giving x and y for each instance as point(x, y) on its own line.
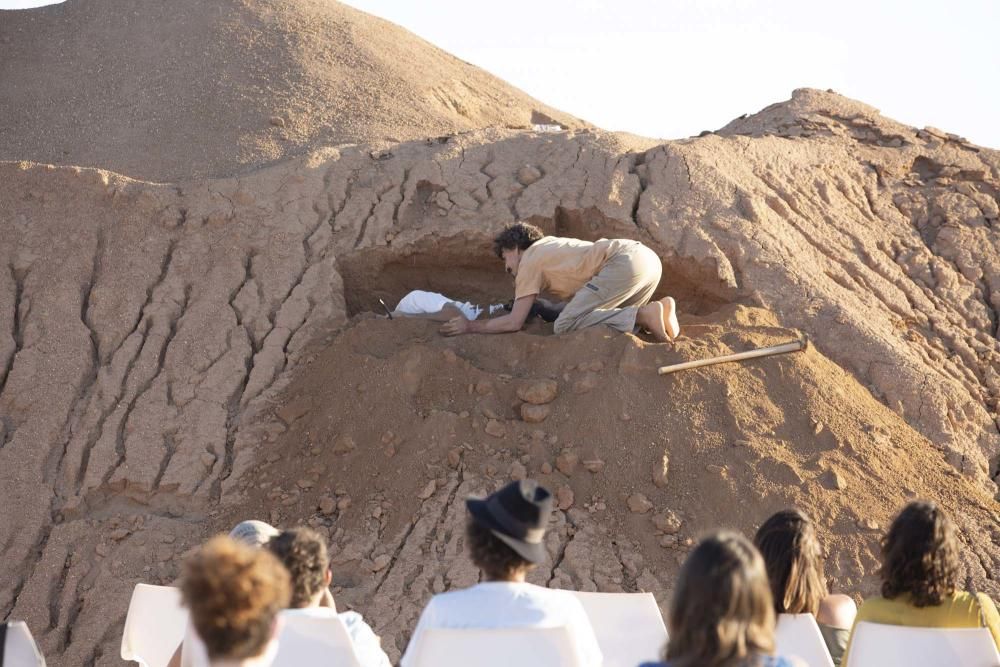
point(119, 534)
point(539, 393)
point(495, 428)
point(639, 504)
point(277, 121)
point(343, 504)
point(625, 417)
point(594, 465)
point(668, 541)
point(344, 444)
point(208, 459)
point(388, 437)
point(566, 462)
point(305, 484)
point(564, 497)
point(484, 388)
point(716, 469)
point(534, 414)
point(660, 472)
point(327, 505)
point(428, 490)
point(102, 550)
point(454, 457)
point(518, 471)
point(585, 384)
point(546, 468)
point(381, 562)
point(528, 174)
point(667, 522)
point(292, 411)
point(818, 428)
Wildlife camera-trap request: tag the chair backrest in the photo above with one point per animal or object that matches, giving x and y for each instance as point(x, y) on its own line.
point(524, 647)
point(629, 626)
point(18, 647)
point(875, 644)
point(154, 626)
point(798, 635)
point(310, 637)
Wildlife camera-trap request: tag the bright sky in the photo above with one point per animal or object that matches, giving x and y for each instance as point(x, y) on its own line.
point(672, 68)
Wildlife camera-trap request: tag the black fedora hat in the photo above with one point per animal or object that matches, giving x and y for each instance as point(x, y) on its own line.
point(517, 514)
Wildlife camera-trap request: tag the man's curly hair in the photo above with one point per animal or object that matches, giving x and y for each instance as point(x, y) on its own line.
point(234, 592)
point(303, 552)
point(519, 235)
point(920, 555)
point(490, 554)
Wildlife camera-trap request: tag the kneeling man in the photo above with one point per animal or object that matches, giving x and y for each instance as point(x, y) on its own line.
point(609, 282)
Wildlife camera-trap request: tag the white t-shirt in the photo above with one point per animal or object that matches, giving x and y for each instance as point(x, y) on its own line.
point(366, 643)
point(501, 604)
point(419, 302)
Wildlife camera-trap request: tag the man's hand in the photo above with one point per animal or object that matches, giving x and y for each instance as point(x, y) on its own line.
point(456, 326)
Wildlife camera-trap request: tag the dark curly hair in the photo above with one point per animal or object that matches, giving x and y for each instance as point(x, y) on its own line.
point(303, 552)
point(794, 562)
point(517, 235)
point(920, 555)
point(490, 554)
point(234, 592)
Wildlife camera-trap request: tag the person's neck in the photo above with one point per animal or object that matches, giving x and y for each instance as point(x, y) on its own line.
point(263, 660)
point(516, 578)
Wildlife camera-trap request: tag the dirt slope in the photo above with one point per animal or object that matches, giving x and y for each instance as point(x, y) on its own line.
point(160, 345)
point(191, 88)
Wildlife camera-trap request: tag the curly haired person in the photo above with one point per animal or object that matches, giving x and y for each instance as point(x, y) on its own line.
point(920, 570)
point(609, 282)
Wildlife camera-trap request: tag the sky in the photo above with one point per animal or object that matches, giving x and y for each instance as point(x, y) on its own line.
point(672, 68)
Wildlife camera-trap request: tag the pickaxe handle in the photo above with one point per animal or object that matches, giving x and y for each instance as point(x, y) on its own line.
point(784, 348)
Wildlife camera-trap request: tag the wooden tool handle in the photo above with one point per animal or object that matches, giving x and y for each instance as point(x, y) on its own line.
point(784, 348)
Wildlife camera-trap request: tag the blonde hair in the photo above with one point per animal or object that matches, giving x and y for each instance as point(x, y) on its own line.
point(234, 593)
point(721, 614)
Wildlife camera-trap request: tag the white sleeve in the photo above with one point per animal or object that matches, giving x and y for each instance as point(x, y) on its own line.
point(366, 643)
point(426, 622)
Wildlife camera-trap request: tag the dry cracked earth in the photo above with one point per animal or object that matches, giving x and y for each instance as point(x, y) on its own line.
point(176, 357)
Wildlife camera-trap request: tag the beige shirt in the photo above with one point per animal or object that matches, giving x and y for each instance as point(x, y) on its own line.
point(561, 266)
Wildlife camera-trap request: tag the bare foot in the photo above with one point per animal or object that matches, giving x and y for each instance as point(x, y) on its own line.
point(670, 322)
point(660, 319)
point(650, 318)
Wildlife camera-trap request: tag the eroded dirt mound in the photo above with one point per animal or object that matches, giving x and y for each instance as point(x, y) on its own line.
point(191, 88)
point(161, 344)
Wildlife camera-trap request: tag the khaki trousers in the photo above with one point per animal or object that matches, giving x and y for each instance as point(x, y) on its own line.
point(613, 296)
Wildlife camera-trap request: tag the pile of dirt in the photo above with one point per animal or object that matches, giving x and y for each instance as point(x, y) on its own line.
point(192, 88)
point(177, 357)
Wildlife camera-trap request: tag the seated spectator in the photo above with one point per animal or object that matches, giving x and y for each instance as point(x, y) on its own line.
point(191, 652)
point(303, 552)
point(794, 563)
point(505, 535)
point(919, 577)
point(721, 614)
point(234, 593)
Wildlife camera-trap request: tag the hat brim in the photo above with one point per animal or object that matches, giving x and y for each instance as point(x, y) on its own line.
point(533, 553)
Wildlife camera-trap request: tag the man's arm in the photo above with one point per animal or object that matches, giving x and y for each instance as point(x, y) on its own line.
point(512, 321)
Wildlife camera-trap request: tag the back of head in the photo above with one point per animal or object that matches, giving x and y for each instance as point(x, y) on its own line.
point(234, 593)
point(721, 613)
point(303, 553)
point(516, 236)
point(794, 562)
point(920, 555)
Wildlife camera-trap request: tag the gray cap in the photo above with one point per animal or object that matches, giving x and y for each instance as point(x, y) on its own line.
point(254, 533)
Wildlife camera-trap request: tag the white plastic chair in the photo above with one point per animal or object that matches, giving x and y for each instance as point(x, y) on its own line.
point(878, 645)
point(19, 648)
point(524, 647)
point(314, 637)
point(628, 626)
point(154, 626)
point(798, 635)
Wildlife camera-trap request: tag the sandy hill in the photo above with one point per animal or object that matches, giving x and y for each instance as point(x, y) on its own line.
point(191, 88)
point(177, 357)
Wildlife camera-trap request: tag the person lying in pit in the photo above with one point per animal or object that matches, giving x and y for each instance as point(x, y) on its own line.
point(439, 308)
point(609, 282)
